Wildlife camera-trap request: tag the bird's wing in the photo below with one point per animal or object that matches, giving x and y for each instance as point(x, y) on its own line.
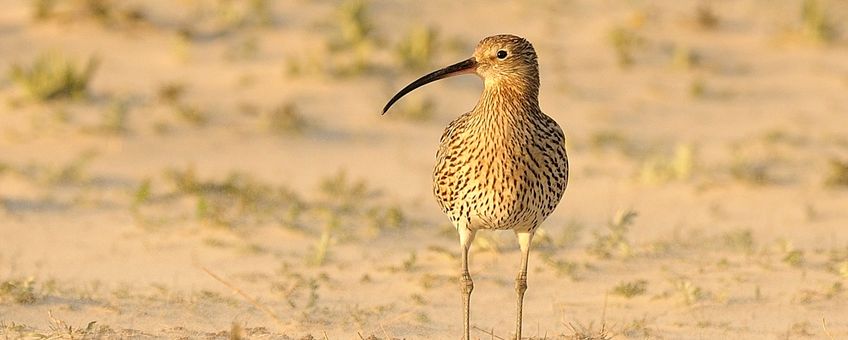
point(444, 179)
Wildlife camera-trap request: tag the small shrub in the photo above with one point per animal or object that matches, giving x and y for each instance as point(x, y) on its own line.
point(18, 291)
point(417, 48)
point(342, 192)
point(191, 114)
point(42, 9)
point(114, 119)
point(52, 76)
point(689, 292)
point(353, 23)
point(791, 256)
point(615, 241)
point(815, 22)
point(705, 17)
point(740, 240)
point(624, 41)
point(661, 169)
point(416, 109)
point(286, 120)
point(170, 93)
point(837, 174)
point(608, 138)
point(685, 57)
point(631, 289)
point(751, 172)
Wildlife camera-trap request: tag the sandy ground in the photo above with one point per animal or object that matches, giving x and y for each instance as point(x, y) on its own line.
point(704, 201)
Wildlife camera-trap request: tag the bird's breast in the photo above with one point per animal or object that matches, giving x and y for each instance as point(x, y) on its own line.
point(497, 182)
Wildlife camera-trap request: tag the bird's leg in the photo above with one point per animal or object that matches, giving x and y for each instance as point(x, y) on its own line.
point(466, 285)
point(524, 239)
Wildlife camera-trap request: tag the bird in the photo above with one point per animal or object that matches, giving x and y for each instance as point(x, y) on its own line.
point(502, 165)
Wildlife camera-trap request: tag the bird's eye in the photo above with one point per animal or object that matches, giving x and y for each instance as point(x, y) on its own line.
point(501, 54)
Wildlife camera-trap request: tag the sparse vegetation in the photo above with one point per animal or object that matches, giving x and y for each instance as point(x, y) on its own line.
point(42, 9)
point(112, 147)
point(285, 120)
point(751, 171)
point(688, 292)
point(662, 169)
point(171, 92)
point(624, 42)
point(114, 119)
point(19, 291)
point(191, 114)
point(610, 139)
point(837, 175)
point(816, 24)
point(739, 240)
point(684, 57)
point(614, 242)
point(416, 109)
point(415, 51)
point(705, 17)
point(54, 76)
point(73, 172)
point(791, 256)
point(631, 289)
point(354, 25)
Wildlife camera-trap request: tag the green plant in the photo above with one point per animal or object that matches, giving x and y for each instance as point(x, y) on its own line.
point(53, 76)
point(71, 173)
point(353, 23)
point(624, 42)
point(631, 289)
point(286, 119)
point(791, 256)
point(383, 218)
point(417, 48)
point(751, 171)
point(238, 200)
point(837, 174)
point(18, 291)
point(417, 109)
point(739, 240)
point(705, 17)
point(688, 291)
point(698, 88)
point(322, 245)
point(561, 267)
point(191, 114)
point(685, 57)
point(661, 169)
point(615, 241)
point(142, 193)
point(114, 119)
point(816, 25)
point(42, 9)
point(609, 139)
point(171, 92)
point(342, 193)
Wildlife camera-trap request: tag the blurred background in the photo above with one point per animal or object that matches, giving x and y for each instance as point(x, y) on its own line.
point(142, 141)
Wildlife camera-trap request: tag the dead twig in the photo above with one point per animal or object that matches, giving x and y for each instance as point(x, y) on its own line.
point(241, 293)
point(491, 333)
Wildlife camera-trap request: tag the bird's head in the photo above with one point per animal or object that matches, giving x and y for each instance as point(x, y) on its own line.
point(501, 60)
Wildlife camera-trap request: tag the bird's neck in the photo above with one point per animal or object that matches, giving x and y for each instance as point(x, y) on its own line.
point(513, 98)
point(504, 111)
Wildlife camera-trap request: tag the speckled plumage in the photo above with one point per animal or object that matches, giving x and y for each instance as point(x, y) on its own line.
point(502, 165)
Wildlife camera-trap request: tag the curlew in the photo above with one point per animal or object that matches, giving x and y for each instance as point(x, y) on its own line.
point(503, 165)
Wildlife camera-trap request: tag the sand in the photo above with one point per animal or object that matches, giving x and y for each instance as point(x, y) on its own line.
point(250, 144)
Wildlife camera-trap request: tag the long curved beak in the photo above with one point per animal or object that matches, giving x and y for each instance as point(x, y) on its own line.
point(466, 66)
